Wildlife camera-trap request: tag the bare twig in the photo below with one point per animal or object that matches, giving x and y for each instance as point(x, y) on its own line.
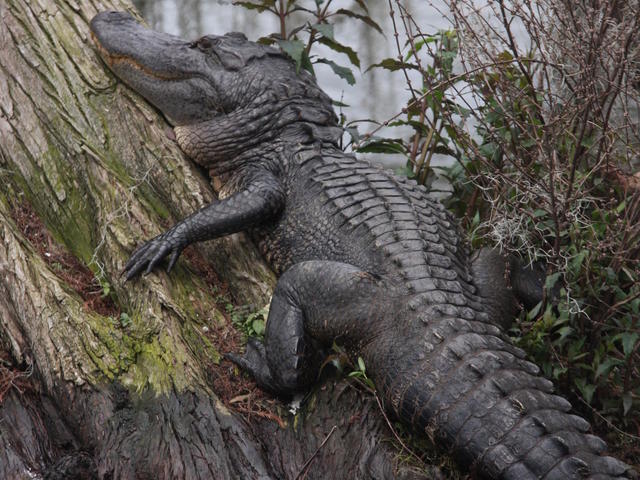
point(393, 430)
point(635, 438)
point(303, 472)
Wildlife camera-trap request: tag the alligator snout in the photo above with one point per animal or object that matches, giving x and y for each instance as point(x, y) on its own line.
point(161, 67)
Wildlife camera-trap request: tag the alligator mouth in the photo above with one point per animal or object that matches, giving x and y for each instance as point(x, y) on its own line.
point(123, 43)
point(115, 61)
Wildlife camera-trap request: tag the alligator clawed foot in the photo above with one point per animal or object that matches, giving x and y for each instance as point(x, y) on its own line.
point(253, 357)
point(149, 255)
point(254, 362)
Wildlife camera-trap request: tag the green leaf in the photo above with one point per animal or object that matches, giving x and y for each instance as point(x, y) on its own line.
point(419, 127)
point(586, 389)
point(462, 111)
point(338, 47)
point(392, 65)
point(551, 280)
point(628, 343)
point(629, 274)
point(417, 47)
point(533, 313)
point(267, 40)
point(364, 18)
point(385, 145)
point(297, 51)
point(587, 141)
point(627, 402)
point(476, 219)
point(342, 72)
point(258, 327)
point(125, 319)
point(558, 371)
point(563, 333)
point(576, 262)
point(488, 149)
point(326, 29)
point(605, 367)
point(363, 5)
point(361, 365)
point(293, 48)
point(260, 7)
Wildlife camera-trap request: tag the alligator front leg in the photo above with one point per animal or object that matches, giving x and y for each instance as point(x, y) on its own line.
point(320, 299)
point(258, 202)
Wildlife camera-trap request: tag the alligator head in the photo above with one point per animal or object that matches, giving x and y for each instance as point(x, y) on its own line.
point(223, 94)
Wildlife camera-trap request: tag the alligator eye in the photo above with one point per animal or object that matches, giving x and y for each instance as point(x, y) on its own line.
point(237, 35)
point(204, 43)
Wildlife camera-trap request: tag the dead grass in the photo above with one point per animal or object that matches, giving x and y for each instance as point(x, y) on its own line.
point(64, 264)
point(236, 389)
point(12, 377)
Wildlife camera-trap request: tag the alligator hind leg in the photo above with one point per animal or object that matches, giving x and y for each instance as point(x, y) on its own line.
point(314, 299)
point(286, 346)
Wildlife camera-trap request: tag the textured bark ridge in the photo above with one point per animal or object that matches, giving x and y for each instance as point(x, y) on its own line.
point(125, 390)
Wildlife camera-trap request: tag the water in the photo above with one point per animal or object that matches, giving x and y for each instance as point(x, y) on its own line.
point(377, 94)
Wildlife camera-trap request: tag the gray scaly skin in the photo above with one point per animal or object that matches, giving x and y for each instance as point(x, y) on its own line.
point(366, 258)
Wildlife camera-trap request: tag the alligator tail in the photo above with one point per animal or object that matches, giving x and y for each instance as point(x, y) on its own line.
point(472, 390)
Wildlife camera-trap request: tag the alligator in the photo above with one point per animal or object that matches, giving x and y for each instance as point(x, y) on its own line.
point(365, 258)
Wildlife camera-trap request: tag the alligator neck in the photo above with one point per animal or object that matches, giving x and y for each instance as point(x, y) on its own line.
point(227, 143)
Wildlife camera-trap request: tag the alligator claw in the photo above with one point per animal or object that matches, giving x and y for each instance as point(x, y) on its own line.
point(253, 357)
point(173, 260)
point(254, 362)
point(146, 257)
point(239, 360)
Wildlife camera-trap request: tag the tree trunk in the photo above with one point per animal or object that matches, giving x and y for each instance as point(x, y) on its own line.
point(127, 380)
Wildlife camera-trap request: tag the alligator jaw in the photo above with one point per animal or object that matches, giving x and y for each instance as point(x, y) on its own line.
point(163, 68)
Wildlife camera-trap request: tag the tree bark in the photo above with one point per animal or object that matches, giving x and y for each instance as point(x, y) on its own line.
point(127, 380)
